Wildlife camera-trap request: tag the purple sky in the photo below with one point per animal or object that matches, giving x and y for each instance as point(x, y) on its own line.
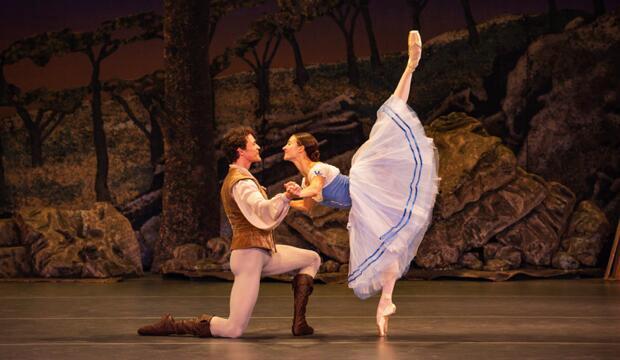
point(321, 41)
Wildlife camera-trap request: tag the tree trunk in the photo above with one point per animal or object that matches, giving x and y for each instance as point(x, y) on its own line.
point(301, 74)
point(4, 193)
point(262, 85)
point(553, 14)
point(352, 69)
point(599, 7)
point(190, 195)
point(471, 23)
point(36, 144)
point(157, 152)
point(375, 59)
point(35, 138)
point(99, 138)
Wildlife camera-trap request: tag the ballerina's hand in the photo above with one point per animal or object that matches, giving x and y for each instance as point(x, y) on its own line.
point(293, 188)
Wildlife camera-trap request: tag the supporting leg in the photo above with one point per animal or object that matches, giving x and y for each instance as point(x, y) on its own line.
point(386, 307)
point(246, 265)
point(289, 258)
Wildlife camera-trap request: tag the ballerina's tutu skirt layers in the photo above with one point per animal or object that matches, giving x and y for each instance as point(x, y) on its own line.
point(393, 184)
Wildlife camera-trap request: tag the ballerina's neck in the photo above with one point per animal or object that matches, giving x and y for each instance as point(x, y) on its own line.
point(305, 165)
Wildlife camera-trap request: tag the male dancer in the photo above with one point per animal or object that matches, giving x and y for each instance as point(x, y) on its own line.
point(254, 254)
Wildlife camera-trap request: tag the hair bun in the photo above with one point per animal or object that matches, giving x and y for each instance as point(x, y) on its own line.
point(316, 155)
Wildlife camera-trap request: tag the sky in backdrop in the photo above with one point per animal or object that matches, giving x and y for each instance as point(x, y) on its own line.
point(320, 41)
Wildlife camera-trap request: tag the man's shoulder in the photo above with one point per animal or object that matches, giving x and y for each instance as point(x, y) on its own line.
point(235, 175)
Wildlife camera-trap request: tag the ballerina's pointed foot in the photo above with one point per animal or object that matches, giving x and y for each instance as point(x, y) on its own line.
point(414, 45)
point(383, 319)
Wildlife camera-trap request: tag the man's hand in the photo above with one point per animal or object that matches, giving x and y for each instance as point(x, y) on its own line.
point(293, 190)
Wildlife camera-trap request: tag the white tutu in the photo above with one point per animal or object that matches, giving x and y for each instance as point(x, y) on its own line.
point(393, 184)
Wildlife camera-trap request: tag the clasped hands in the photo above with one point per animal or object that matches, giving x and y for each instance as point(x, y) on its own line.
point(293, 190)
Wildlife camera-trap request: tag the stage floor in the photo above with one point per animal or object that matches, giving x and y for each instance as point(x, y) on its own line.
point(453, 319)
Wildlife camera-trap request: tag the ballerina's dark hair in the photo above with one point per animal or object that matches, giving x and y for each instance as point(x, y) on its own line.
point(310, 144)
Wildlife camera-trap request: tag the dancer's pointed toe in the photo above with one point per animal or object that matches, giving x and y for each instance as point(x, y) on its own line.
point(383, 319)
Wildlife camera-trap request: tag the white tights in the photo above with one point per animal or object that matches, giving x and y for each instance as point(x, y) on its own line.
point(248, 266)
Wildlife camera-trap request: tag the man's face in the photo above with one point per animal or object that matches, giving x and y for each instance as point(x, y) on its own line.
point(251, 151)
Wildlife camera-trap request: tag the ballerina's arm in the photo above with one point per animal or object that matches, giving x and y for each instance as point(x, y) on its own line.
point(315, 188)
point(305, 204)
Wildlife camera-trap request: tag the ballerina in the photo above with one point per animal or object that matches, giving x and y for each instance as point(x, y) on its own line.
point(390, 191)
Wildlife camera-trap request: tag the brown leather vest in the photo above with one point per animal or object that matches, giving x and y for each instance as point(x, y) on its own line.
point(244, 234)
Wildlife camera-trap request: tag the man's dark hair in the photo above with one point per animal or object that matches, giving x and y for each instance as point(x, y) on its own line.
point(234, 139)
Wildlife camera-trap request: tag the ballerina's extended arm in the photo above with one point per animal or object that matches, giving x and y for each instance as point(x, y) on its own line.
point(306, 203)
point(415, 52)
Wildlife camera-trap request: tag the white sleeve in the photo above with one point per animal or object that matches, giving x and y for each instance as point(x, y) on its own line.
point(320, 169)
point(260, 212)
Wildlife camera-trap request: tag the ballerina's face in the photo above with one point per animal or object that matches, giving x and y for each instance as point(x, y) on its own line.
point(292, 149)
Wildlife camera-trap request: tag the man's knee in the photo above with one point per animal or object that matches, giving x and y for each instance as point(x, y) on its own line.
point(315, 259)
point(236, 332)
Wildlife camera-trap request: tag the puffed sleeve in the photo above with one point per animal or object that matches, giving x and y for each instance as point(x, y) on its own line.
point(320, 169)
point(263, 213)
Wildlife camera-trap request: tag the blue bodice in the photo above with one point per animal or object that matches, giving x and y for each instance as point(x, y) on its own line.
point(336, 194)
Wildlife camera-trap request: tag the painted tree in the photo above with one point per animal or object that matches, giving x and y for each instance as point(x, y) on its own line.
point(51, 108)
point(149, 93)
point(190, 197)
point(416, 7)
point(190, 193)
point(375, 58)
point(5, 201)
point(599, 7)
point(344, 13)
point(264, 36)
point(97, 46)
point(219, 63)
point(39, 49)
point(293, 15)
point(474, 38)
point(553, 14)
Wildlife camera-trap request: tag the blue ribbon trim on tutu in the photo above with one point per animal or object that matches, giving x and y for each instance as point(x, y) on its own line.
point(390, 234)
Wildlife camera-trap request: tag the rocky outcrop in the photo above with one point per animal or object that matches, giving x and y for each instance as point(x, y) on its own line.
point(15, 262)
point(94, 243)
point(193, 258)
point(9, 235)
point(586, 236)
point(473, 227)
point(471, 162)
point(148, 237)
point(538, 235)
point(561, 108)
point(455, 76)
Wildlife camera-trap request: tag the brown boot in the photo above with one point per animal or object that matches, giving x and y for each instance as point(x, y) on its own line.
point(168, 326)
point(302, 288)
point(200, 327)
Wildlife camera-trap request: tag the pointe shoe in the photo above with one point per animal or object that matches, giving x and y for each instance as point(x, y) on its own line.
point(414, 44)
point(383, 320)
